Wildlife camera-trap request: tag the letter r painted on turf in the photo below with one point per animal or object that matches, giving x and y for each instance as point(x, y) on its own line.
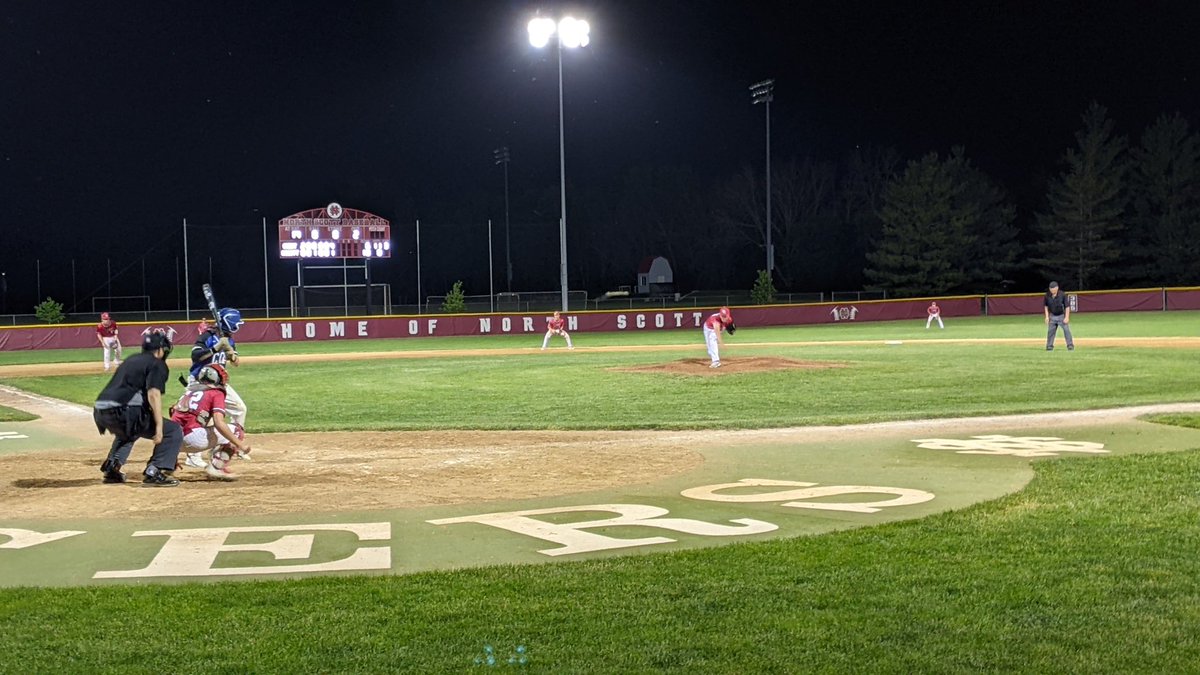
point(575, 539)
point(192, 553)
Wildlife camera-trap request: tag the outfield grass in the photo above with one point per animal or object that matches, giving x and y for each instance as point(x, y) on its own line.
point(1113, 324)
point(1092, 568)
point(585, 390)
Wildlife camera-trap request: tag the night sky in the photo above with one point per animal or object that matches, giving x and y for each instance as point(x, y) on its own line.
point(120, 119)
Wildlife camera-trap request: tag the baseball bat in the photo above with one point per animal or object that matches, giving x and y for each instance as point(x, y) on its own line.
point(212, 302)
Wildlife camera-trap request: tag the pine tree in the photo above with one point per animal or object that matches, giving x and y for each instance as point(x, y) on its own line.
point(993, 252)
point(1163, 237)
point(1087, 203)
point(946, 227)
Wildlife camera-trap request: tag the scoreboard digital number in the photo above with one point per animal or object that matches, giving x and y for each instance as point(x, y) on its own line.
point(335, 232)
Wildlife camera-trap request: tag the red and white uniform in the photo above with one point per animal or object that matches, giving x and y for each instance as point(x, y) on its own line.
point(194, 413)
point(935, 312)
point(713, 326)
point(556, 325)
point(110, 343)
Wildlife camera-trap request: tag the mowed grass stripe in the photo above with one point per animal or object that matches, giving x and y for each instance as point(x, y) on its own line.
point(1092, 568)
point(588, 390)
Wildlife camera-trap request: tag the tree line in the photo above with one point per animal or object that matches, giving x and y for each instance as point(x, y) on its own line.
point(1117, 213)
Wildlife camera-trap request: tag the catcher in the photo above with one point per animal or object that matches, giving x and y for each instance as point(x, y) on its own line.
point(202, 413)
point(714, 327)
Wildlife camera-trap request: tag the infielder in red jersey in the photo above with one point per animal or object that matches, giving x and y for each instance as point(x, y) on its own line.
point(202, 414)
point(555, 325)
point(714, 326)
point(110, 342)
point(935, 312)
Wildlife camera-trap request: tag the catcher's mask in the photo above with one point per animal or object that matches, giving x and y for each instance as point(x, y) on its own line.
point(214, 374)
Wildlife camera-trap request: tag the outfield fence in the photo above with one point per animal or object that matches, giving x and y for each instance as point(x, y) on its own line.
point(290, 329)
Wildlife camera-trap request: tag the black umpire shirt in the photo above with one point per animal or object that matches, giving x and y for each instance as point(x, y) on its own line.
point(1057, 304)
point(134, 378)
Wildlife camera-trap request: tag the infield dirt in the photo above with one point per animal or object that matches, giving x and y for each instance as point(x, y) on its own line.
point(356, 471)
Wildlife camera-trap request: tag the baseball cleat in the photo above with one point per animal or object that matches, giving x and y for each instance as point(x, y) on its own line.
point(158, 478)
point(112, 472)
point(219, 474)
point(195, 460)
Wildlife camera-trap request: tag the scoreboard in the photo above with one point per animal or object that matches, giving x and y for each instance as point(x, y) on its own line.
point(334, 232)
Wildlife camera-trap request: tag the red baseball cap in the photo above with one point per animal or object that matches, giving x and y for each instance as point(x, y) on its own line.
point(104, 316)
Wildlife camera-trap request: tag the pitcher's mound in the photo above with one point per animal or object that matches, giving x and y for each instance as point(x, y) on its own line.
point(743, 364)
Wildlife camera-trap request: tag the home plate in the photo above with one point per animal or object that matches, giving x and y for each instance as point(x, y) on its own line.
point(893, 342)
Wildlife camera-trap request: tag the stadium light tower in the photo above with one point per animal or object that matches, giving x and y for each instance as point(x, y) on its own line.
point(570, 33)
point(764, 92)
point(501, 156)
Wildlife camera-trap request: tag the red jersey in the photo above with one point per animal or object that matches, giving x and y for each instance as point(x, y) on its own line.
point(934, 309)
point(555, 324)
point(715, 322)
point(106, 331)
point(195, 408)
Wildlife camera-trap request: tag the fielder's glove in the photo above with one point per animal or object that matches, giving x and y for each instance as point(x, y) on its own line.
point(732, 328)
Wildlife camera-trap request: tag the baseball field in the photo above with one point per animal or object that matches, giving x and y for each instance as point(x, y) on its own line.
point(842, 498)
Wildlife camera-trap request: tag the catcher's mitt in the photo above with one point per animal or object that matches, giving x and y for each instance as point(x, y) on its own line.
point(732, 328)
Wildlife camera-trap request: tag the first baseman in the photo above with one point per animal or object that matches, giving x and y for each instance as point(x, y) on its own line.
point(110, 341)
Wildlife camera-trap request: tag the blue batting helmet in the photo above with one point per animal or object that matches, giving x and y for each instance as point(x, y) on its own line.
point(229, 319)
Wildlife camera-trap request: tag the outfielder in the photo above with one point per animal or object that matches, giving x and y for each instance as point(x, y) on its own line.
point(110, 342)
point(201, 413)
point(216, 346)
point(555, 326)
point(714, 326)
point(935, 312)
